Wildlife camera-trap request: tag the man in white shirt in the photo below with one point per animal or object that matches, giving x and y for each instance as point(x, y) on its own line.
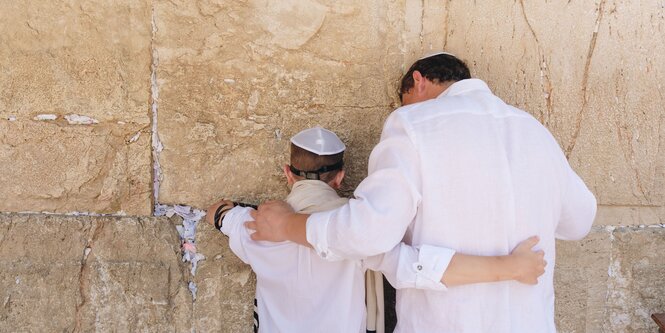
point(456, 167)
point(297, 291)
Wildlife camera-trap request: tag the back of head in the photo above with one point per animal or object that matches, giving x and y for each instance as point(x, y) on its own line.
point(317, 153)
point(438, 68)
point(309, 162)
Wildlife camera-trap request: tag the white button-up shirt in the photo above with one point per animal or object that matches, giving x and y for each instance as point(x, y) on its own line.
point(297, 291)
point(464, 171)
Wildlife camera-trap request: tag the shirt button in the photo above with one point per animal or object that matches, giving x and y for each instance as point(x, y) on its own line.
point(419, 267)
point(324, 254)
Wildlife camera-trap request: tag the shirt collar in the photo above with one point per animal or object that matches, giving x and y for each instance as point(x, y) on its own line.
point(464, 86)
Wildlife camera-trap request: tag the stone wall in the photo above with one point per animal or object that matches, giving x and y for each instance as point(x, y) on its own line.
point(112, 107)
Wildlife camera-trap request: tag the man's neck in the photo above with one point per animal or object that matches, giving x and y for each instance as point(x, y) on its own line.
point(436, 89)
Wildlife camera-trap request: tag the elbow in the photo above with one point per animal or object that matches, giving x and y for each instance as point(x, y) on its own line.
point(582, 222)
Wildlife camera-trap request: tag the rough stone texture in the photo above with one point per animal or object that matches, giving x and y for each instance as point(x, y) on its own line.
point(592, 72)
point(225, 297)
point(60, 168)
point(235, 79)
point(238, 79)
point(612, 281)
point(131, 278)
point(89, 58)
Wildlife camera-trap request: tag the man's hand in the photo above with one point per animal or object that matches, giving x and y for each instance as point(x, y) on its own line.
point(271, 221)
point(275, 221)
point(527, 264)
point(210, 213)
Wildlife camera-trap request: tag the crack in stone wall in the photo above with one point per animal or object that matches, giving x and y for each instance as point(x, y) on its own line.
point(84, 275)
point(585, 79)
point(218, 109)
point(154, 98)
point(545, 80)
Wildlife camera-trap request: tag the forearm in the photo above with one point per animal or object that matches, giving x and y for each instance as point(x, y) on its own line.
point(297, 229)
point(468, 269)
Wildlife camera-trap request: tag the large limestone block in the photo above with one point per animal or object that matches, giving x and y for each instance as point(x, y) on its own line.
point(67, 59)
point(46, 166)
point(61, 273)
point(591, 71)
point(75, 57)
point(611, 281)
point(237, 79)
point(226, 286)
point(637, 279)
point(581, 280)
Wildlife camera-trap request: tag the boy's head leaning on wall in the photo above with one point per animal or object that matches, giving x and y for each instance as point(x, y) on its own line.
point(316, 153)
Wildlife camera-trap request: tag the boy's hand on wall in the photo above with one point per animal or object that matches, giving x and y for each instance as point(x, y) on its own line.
point(210, 213)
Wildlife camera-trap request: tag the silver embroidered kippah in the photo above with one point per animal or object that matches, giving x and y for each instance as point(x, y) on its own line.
point(319, 140)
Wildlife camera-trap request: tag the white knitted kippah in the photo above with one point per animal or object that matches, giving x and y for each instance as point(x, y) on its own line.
point(319, 140)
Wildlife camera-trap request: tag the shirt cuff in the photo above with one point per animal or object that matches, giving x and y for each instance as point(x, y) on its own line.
point(427, 271)
point(317, 235)
point(234, 216)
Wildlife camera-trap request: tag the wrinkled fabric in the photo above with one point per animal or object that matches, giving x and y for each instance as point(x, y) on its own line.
point(468, 172)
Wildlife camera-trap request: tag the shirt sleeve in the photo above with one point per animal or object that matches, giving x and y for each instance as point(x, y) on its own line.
point(385, 202)
point(406, 266)
point(578, 208)
point(233, 226)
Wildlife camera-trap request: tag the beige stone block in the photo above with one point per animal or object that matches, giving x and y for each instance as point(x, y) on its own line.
point(630, 215)
point(580, 282)
point(42, 239)
point(591, 71)
point(67, 59)
point(611, 281)
point(226, 286)
point(133, 297)
point(637, 279)
point(54, 167)
point(245, 79)
point(62, 273)
point(88, 58)
point(38, 297)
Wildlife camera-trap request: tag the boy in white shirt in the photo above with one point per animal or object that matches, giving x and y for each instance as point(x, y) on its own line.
point(296, 290)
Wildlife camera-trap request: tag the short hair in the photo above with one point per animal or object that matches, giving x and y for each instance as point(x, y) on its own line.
point(438, 69)
point(305, 160)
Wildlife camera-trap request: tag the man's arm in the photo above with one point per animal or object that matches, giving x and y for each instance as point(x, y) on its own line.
point(436, 268)
point(523, 265)
point(374, 222)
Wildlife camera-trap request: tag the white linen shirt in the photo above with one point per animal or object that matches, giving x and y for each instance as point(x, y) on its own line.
point(468, 172)
point(297, 291)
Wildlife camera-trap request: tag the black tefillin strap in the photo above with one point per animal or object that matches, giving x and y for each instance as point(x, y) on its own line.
point(316, 173)
point(218, 218)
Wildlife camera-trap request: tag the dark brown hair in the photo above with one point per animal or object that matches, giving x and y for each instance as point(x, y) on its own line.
point(304, 160)
point(438, 69)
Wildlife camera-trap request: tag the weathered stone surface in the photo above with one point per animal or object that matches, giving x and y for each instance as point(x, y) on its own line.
point(75, 57)
point(612, 281)
point(85, 58)
point(591, 71)
point(247, 76)
point(226, 286)
point(62, 273)
point(581, 282)
point(637, 280)
point(60, 168)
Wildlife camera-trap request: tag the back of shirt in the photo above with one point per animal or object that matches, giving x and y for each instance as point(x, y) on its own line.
point(296, 290)
point(492, 176)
